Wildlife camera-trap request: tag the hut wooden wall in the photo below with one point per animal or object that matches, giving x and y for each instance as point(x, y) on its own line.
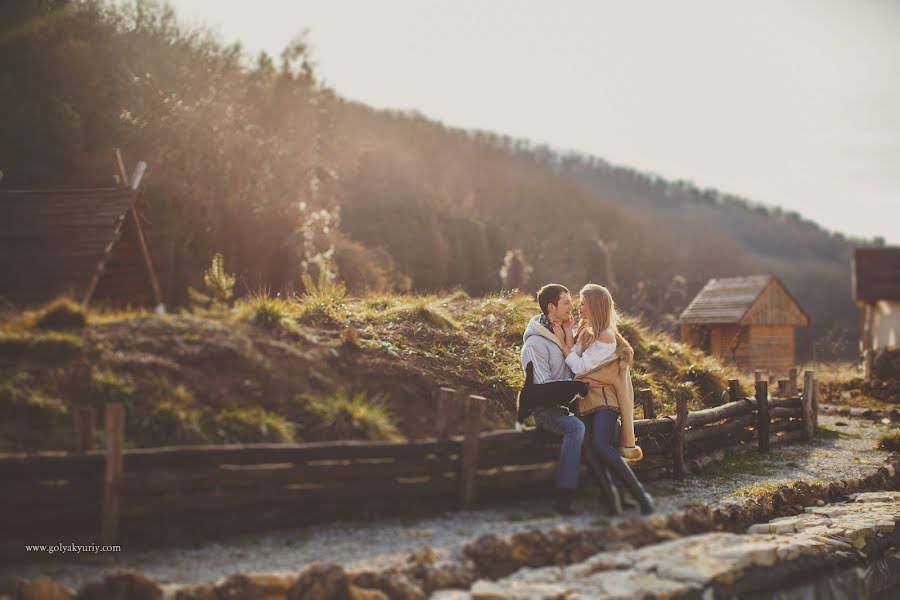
point(125, 281)
point(771, 347)
point(775, 306)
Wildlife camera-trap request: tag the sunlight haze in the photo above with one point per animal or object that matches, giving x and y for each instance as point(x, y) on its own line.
point(784, 103)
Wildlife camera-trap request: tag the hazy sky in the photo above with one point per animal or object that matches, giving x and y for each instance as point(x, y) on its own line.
point(791, 103)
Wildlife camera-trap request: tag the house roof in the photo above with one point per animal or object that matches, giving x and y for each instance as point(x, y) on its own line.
point(55, 242)
point(730, 300)
point(876, 274)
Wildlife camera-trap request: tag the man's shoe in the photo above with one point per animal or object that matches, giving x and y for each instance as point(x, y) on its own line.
point(565, 500)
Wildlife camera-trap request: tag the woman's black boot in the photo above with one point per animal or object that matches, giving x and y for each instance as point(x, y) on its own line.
point(633, 485)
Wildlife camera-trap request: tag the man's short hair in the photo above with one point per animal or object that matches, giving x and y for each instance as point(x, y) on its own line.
point(549, 294)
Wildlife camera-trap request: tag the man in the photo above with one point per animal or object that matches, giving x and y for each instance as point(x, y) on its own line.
point(541, 347)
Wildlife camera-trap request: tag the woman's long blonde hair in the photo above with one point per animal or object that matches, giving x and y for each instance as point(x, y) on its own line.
point(599, 314)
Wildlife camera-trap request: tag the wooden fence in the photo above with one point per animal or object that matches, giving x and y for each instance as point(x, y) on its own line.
point(235, 488)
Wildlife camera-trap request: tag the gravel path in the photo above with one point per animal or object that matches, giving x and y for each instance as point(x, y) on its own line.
point(846, 449)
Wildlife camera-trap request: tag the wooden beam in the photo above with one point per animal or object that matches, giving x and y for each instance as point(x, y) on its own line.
point(123, 174)
point(137, 175)
point(646, 399)
point(446, 400)
point(145, 252)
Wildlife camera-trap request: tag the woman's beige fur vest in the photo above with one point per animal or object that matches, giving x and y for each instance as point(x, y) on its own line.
point(616, 391)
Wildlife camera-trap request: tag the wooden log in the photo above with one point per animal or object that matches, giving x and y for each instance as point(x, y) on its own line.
point(51, 493)
point(446, 400)
point(645, 396)
point(114, 433)
point(474, 410)
point(681, 417)
point(785, 425)
point(792, 382)
point(701, 447)
point(84, 429)
point(663, 426)
point(762, 414)
point(718, 413)
point(734, 390)
point(785, 403)
point(757, 375)
point(719, 431)
point(782, 412)
point(273, 476)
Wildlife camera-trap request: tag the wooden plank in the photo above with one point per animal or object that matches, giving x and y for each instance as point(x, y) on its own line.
point(719, 431)
point(474, 410)
point(51, 465)
point(234, 454)
point(792, 382)
point(681, 417)
point(51, 493)
point(167, 480)
point(519, 456)
point(719, 413)
point(115, 438)
point(357, 493)
point(645, 396)
point(762, 414)
point(644, 427)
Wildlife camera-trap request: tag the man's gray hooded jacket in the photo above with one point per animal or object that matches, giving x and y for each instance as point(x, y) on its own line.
point(542, 348)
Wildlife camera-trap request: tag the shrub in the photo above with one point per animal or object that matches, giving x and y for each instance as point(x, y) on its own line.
point(240, 425)
point(265, 310)
point(357, 417)
point(218, 283)
point(62, 314)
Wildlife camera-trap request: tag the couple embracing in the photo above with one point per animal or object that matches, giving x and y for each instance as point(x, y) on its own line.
point(594, 351)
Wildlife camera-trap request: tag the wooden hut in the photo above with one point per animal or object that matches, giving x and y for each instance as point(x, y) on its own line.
point(87, 244)
point(876, 290)
point(749, 321)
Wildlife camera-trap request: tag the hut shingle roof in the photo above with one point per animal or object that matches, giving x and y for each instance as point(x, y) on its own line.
point(53, 242)
point(728, 300)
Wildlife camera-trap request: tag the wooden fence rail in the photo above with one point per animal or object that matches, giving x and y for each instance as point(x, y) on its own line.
point(115, 490)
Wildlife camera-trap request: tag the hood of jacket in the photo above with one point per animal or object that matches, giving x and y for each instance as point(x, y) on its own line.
point(535, 328)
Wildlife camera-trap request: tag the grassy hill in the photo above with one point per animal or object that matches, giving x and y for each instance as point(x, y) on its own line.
point(318, 367)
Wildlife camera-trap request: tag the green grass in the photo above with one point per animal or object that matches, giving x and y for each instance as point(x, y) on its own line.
point(265, 310)
point(350, 417)
point(248, 425)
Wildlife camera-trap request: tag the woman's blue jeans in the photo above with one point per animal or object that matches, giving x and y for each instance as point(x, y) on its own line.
point(557, 420)
point(602, 430)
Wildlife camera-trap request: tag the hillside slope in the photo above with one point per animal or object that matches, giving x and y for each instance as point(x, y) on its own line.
point(299, 370)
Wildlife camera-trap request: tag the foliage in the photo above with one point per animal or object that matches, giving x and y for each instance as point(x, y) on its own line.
point(61, 314)
point(218, 283)
point(355, 417)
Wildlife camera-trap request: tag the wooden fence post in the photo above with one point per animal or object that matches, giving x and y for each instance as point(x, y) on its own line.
point(681, 415)
point(474, 410)
point(815, 400)
point(782, 388)
point(114, 433)
point(806, 415)
point(445, 401)
point(646, 398)
point(757, 375)
point(792, 383)
point(762, 414)
point(734, 390)
point(84, 429)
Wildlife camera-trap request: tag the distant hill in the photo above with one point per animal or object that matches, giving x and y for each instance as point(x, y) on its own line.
point(262, 163)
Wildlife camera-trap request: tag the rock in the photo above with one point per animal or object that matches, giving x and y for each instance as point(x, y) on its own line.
point(358, 593)
point(451, 595)
point(122, 586)
point(255, 587)
point(206, 591)
point(319, 581)
point(43, 588)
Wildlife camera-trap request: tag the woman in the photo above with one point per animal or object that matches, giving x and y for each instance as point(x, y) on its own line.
point(596, 351)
